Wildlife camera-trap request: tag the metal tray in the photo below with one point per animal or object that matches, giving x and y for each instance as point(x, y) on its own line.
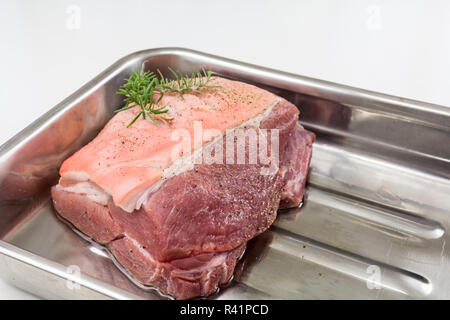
point(373, 225)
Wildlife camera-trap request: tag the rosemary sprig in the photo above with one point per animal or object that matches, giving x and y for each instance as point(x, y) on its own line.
point(140, 90)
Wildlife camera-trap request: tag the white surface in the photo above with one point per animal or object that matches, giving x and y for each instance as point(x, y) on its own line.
point(50, 48)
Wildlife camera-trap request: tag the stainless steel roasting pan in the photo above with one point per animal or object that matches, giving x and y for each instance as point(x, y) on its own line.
point(374, 224)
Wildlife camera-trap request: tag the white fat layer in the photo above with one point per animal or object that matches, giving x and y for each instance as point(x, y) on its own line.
point(77, 176)
point(134, 201)
point(88, 189)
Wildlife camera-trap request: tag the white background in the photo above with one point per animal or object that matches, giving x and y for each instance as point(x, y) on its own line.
point(49, 49)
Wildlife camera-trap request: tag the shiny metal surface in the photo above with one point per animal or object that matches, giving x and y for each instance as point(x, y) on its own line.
point(374, 224)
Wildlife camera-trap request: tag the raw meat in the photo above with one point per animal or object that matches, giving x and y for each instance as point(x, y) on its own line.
point(172, 217)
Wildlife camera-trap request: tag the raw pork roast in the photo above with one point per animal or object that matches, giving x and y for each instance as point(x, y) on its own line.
point(170, 217)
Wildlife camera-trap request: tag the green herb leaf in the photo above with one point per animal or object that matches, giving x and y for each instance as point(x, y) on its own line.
point(140, 88)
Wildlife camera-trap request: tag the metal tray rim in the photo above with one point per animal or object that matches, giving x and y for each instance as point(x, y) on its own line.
point(427, 110)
